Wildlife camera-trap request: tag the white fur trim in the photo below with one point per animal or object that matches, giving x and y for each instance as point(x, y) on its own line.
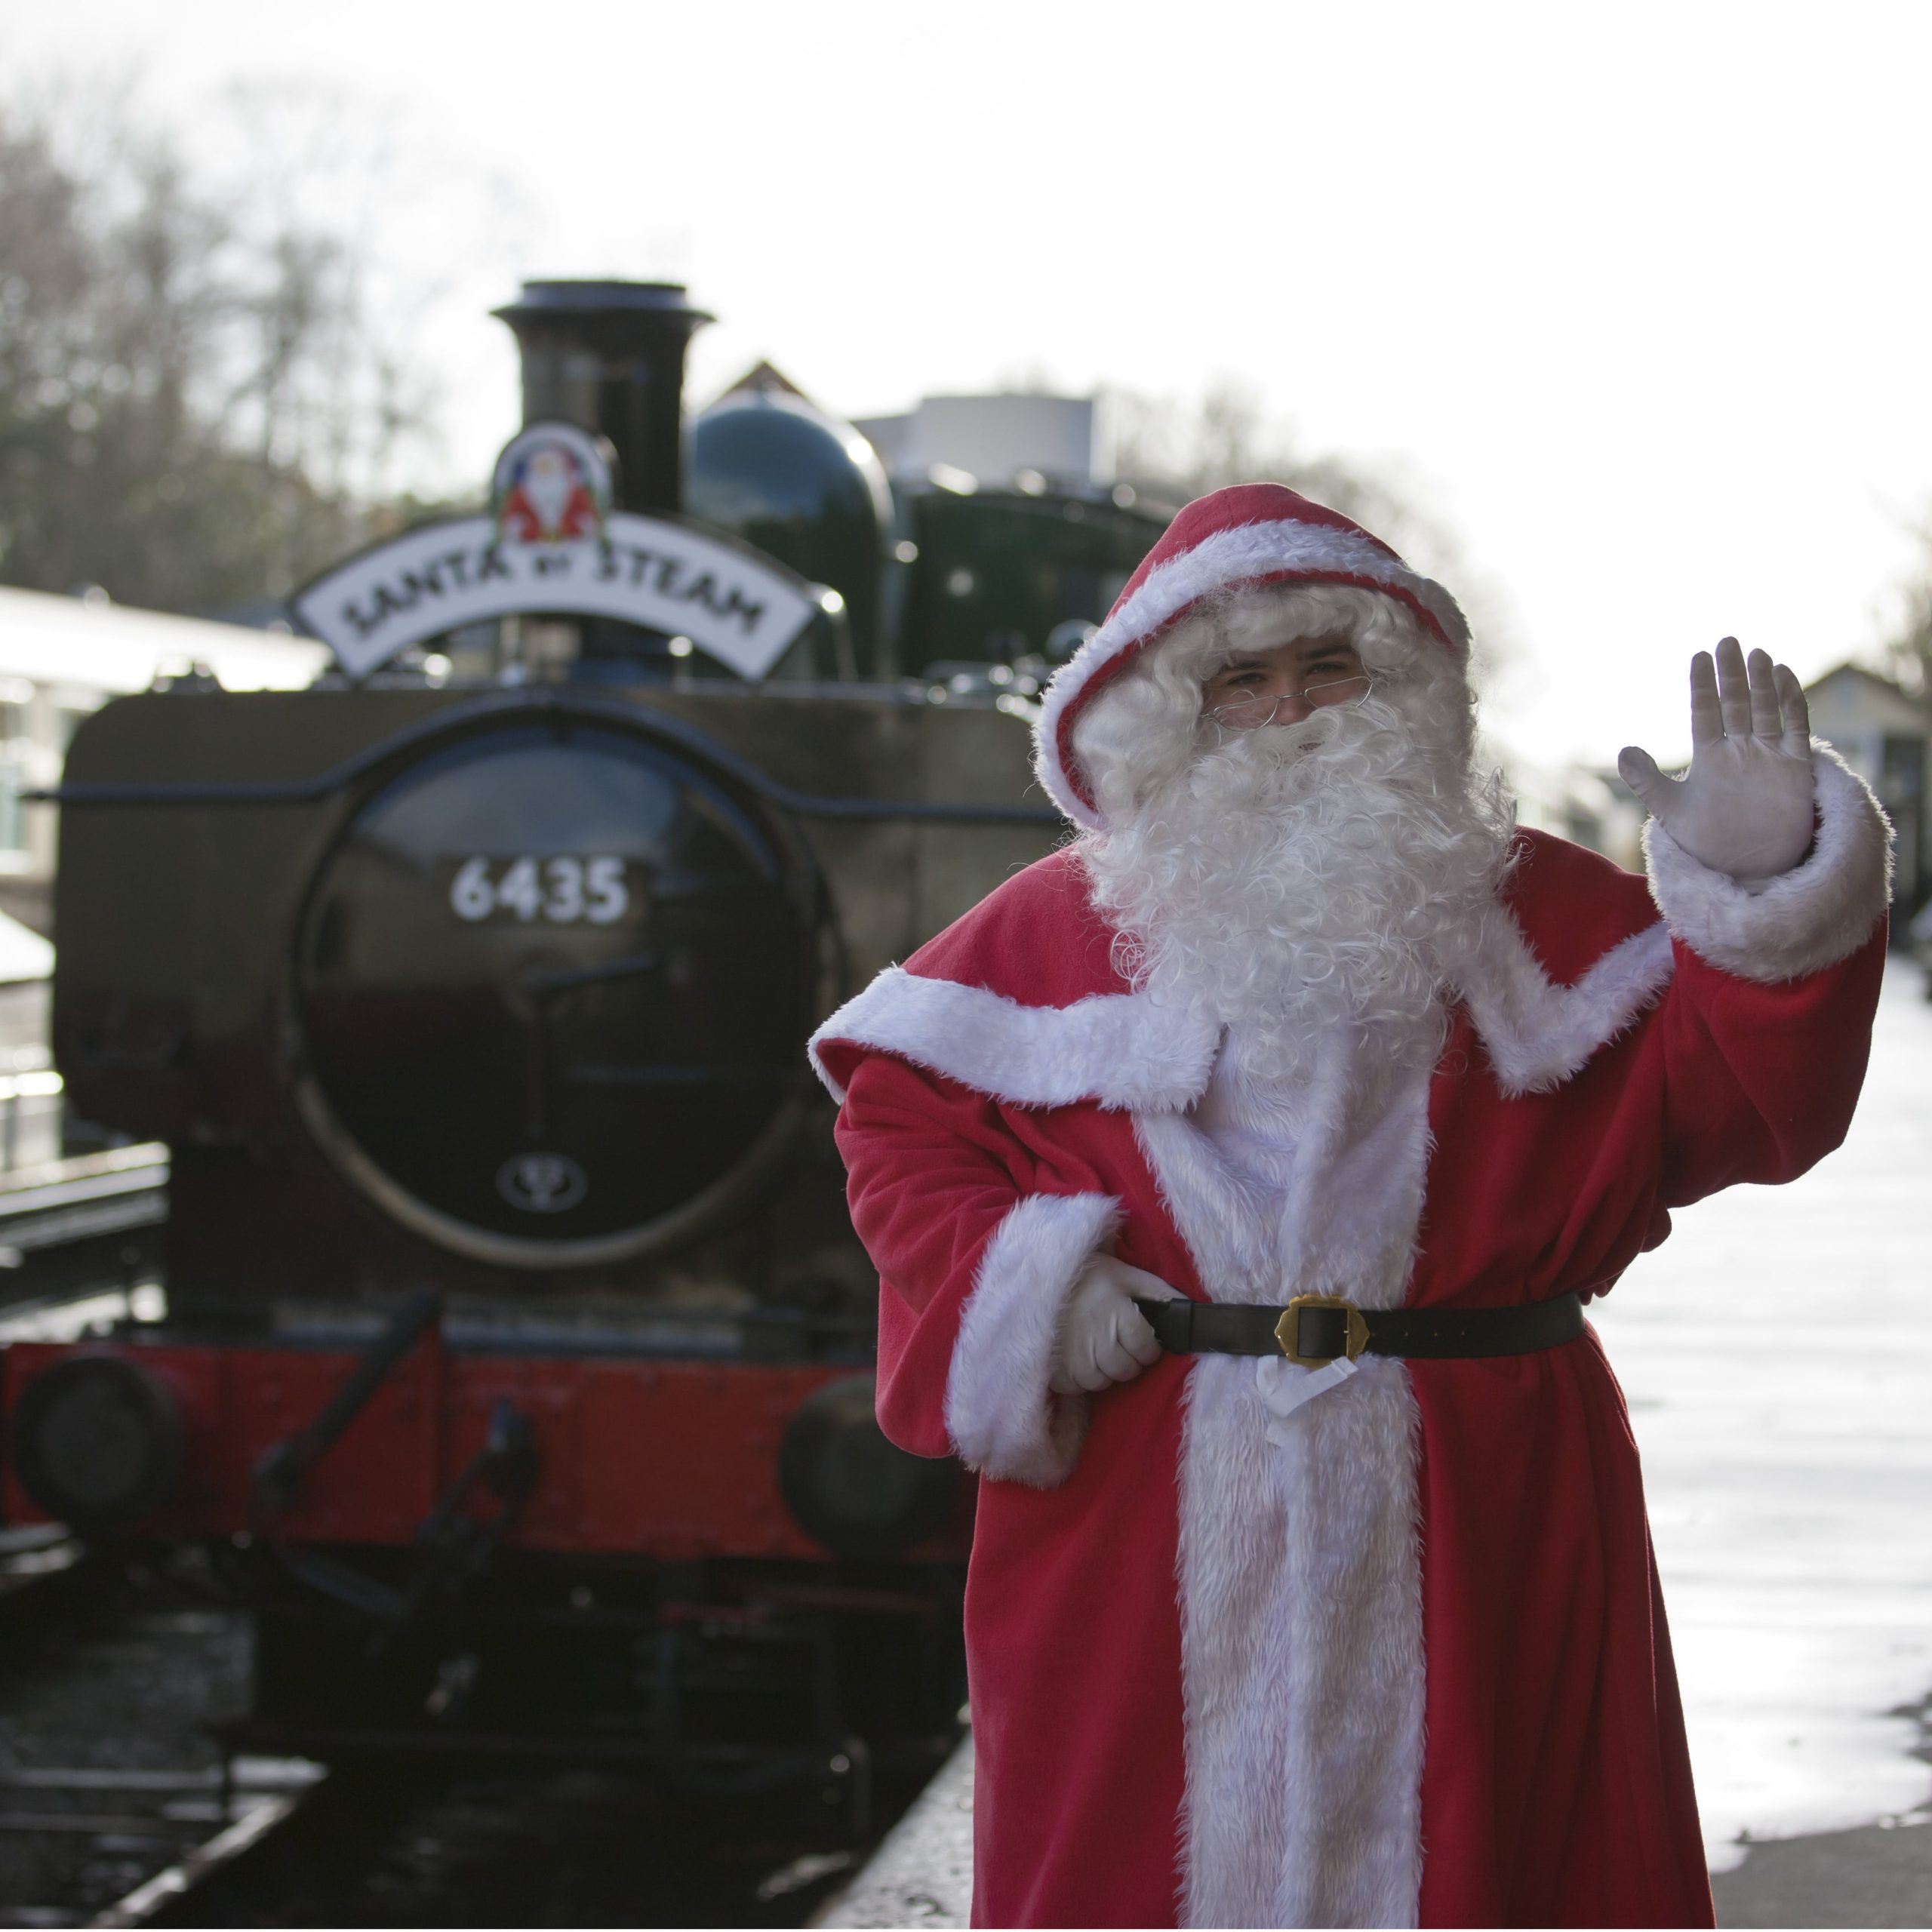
point(1537, 1033)
point(1003, 1420)
point(1339, 1217)
point(1302, 1667)
point(1228, 557)
point(1119, 1049)
point(1803, 921)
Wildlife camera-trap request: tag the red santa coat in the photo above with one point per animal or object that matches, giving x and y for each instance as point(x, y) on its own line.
point(1399, 1657)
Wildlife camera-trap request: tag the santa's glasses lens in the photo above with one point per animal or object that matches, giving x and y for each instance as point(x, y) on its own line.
point(1247, 714)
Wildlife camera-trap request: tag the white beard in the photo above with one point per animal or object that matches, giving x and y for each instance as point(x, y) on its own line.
point(548, 485)
point(1314, 883)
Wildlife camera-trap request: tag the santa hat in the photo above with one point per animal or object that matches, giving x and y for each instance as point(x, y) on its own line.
point(1250, 534)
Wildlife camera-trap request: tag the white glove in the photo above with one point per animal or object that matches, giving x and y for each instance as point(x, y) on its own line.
point(1744, 807)
point(1103, 1336)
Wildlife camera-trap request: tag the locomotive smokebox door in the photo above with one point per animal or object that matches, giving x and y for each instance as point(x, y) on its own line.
point(550, 981)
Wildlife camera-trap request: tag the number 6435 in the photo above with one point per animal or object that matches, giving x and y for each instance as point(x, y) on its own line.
point(561, 891)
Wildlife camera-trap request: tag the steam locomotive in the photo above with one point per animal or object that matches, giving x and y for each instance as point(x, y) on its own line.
point(515, 1367)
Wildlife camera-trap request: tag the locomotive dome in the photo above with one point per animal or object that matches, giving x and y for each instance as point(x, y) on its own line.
point(773, 468)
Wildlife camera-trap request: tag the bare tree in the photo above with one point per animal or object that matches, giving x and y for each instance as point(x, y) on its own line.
point(1908, 625)
point(1178, 451)
point(199, 404)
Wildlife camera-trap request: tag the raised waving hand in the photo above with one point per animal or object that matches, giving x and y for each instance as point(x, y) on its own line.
point(1744, 807)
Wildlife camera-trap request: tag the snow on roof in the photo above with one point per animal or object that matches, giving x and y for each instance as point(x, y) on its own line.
point(111, 647)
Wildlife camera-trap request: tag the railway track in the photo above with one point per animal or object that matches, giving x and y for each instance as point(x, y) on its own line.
point(76, 1227)
point(119, 1805)
point(282, 1842)
point(35, 1560)
point(109, 1675)
point(92, 1828)
point(375, 1846)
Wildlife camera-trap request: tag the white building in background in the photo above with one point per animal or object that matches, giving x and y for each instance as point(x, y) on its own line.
point(1885, 735)
point(994, 440)
point(60, 658)
point(1591, 807)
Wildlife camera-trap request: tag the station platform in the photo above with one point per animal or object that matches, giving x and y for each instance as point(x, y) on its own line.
point(922, 1875)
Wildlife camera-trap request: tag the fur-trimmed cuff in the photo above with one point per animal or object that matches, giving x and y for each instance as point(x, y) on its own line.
point(1801, 921)
point(1004, 1419)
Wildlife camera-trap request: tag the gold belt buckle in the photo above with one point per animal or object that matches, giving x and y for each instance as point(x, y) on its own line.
point(1287, 1330)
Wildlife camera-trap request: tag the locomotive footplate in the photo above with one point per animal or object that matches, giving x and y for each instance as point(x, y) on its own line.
point(635, 1453)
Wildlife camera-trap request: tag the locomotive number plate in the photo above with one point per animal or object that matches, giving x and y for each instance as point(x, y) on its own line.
point(556, 889)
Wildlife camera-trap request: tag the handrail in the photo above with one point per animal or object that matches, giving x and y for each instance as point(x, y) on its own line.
point(311, 790)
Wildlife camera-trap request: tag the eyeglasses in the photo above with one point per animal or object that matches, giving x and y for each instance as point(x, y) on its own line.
point(1249, 714)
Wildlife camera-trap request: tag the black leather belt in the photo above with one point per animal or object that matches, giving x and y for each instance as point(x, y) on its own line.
point(1314, 1330)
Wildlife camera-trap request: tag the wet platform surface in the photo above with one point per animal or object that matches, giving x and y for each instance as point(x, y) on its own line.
point(922, 1874)
point(1776, 1352)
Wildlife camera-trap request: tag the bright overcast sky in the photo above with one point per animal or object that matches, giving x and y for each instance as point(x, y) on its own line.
point(1638, 297)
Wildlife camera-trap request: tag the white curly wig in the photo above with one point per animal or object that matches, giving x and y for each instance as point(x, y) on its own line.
point(1298, 876)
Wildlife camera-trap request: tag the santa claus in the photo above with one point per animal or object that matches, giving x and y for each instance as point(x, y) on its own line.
point(549, 499)
point(1236, 1175)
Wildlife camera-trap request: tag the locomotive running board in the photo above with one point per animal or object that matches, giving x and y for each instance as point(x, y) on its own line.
point(313, 791)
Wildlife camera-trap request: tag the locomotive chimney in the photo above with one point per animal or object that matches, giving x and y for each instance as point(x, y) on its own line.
point(609, 356)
